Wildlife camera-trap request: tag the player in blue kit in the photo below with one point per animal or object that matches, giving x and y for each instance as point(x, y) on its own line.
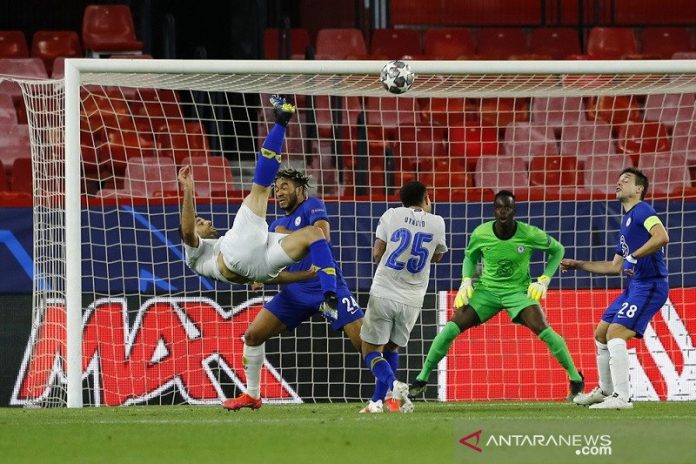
point(640, 255)
point(295, 302)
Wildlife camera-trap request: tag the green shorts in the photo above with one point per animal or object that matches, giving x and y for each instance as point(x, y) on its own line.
point(487, 303)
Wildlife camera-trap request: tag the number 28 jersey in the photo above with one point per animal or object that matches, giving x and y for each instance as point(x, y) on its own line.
point(412, 237)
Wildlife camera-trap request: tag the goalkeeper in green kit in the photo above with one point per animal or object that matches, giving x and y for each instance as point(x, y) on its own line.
point(506, 247)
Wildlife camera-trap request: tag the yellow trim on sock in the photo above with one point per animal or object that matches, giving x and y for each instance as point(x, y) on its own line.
point(270, 154)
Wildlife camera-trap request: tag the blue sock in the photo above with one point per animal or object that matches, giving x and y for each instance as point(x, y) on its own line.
point(392, 358)
point(323, 258)
point(380, 367)
point(268, 161)
point(381, 389)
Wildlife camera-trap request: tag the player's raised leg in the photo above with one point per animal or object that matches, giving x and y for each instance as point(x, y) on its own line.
point(268, 160)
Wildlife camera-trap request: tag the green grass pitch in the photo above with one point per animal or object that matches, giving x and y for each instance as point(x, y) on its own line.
point(309, 433)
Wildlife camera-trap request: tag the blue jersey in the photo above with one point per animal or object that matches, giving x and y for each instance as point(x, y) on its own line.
point(635, 226)
point(306, 214)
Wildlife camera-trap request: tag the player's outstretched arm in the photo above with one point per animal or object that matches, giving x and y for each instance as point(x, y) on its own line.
point(595, 267)
point(188, 214)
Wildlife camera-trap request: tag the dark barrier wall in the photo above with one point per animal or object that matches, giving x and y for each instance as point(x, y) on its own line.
point(142, 253)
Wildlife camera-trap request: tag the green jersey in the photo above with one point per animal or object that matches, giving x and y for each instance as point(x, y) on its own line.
point(506, 262)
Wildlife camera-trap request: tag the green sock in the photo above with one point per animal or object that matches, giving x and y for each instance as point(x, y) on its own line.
point(439, 349)
point(559, 350)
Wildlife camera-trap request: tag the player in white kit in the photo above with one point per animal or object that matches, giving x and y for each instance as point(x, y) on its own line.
point(248, 252)
point(408, 239)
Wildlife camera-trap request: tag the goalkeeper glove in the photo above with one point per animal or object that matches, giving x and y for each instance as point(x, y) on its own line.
point(283, 110)
point(537, 290)
point(466, 290)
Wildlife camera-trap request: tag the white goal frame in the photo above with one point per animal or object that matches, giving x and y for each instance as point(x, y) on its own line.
point(322, 77)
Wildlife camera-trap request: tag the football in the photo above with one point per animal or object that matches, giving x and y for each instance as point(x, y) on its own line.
point(397, 77)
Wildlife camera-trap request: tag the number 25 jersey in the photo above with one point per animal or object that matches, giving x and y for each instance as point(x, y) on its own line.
point(412, 237)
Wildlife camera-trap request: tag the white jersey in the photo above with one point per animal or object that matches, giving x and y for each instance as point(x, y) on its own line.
point(247, 249)
point(203, 260)
point(412, 237)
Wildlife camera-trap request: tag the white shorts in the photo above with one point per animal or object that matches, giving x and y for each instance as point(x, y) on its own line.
point(250, 250)
point(387, 320)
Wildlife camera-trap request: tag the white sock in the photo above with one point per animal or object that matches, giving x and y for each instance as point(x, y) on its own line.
point(253, 361)
point(618, 363)
point(605, 383)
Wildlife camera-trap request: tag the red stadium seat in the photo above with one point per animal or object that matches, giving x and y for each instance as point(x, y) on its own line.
point(150, 176)
point(212, 175)
point(473, 143)
point(501, 172)
point(104, 108)
point(666, 41)
point(4, 187)
point(109, 29)
point(22, 176)
point(499, 112)
point(669, 109)
point(557, 112)
point(684, 140)
point(554, 171)
point(8, 114)
point(640, 138)
point(601, 172)
point(13, 44)
point(275, 40)
point(48, 45)
point(449, 44)
point(22, 68)
point(122, 144)
point(419, 147)
point(395, 43)
point(14, 143)
point(684, 56)
point(385, 115)
point(180, 139)
point(449, 112)
point(558, 42)
point(58, 68)
point(499, 43)
point(667, 172)
point(526, 141)
point(612, 42)
point(336, 44)
point(153, 108)
point(615, 110)
point(587, 139)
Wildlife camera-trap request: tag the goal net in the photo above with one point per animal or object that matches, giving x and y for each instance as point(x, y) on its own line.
point(119, 319)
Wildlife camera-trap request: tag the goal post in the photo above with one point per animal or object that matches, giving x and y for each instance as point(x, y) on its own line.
point(557, 133)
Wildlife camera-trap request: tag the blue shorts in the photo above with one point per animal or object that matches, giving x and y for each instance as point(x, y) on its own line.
point(293, 308)
point(637, 304)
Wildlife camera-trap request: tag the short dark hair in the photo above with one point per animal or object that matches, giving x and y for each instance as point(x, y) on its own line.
point(413, 193)
point(641, 179)
point(504, 193)
point(298, 177)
